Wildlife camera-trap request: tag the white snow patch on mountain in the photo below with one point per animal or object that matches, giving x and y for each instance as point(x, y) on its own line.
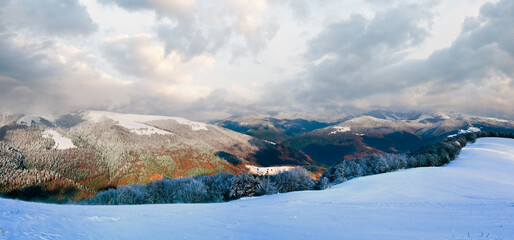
point(442, 115)
point(28, 120)
point(340, 129)
point(137, 123)
point(61, 142)
point(497, 120)
point(262, 171)
point(130, 121)
point(462, 131)
point(470, 198)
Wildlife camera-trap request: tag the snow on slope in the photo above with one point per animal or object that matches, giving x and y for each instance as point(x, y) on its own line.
point(61, 142)
point(137, 123)
point(262, 171)
point(462, 131)
point(340, 129)
point(472, 195)
point(28, 120)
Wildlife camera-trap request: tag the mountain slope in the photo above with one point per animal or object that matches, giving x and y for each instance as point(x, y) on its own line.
point(271, 128)
point(92, 150)
point(470, 198)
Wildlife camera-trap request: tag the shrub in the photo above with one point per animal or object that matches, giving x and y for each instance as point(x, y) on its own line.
point(294, 180)
point(218, 186)
point(244, 185)
point(134, 194)
point(108, 197)
point(268, 187)
point(189, 190)
point(159, 191)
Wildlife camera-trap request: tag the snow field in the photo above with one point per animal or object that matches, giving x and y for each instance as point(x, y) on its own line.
point(268, 170)
point(61, 142)
point(470, 198)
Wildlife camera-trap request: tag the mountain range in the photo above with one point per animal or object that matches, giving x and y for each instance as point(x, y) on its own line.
point(375, 132)
point(78, 154)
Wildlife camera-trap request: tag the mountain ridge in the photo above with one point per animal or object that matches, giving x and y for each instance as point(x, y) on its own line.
point(94, 150)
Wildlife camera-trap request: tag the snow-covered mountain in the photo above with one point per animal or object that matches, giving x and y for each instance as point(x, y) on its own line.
point(386, 132)
point(78, 154)
point(470, 198)
point(374, 132)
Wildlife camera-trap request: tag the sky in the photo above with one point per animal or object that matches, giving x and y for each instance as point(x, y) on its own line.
point(211, 59)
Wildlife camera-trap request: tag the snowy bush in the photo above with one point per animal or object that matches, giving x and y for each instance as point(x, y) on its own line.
point(218, 186)
point(108, 197)
point(268, 187)
point(189, 190)
point(134, 194)
point(294, 180)
point(322, 184)
point(244, 185)
point(159, 191)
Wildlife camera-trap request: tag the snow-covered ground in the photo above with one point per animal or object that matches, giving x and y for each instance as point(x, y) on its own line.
point(339, 129)
point(462, 131)
point(61, 142)
point(137, 123)
point(28, 120)
point(470, 198)
point(262, 171)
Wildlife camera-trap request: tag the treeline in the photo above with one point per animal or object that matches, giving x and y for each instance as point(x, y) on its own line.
point(202, 189)
point(225, 186)
point(431, 155)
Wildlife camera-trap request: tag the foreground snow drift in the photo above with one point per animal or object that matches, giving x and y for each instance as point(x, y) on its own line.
point(471, 198)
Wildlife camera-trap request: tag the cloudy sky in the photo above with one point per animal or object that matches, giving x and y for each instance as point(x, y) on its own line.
point(210, 59)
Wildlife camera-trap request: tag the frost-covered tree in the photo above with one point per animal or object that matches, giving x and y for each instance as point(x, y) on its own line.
point(218, 186)
point(293, 180)
point(244, 185)
point(189, 190)
point(133, 194)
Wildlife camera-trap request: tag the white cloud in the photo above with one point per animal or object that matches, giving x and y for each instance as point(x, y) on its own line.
point(53, 78)
point(367, 68)
point(143, 58)
point(52, 17)
point(207, 59)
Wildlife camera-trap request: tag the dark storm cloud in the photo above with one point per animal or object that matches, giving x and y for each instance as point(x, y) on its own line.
point(486, 44)
point(52, 17)
point(174, 8)
point(133, 5)
point(18, 63)
point(190, 41)
point(51, 78)
point(360, 60)
point(484, 49)
point(205, 27)
point(33, 75)
point(183, 36)
point(351, 54)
